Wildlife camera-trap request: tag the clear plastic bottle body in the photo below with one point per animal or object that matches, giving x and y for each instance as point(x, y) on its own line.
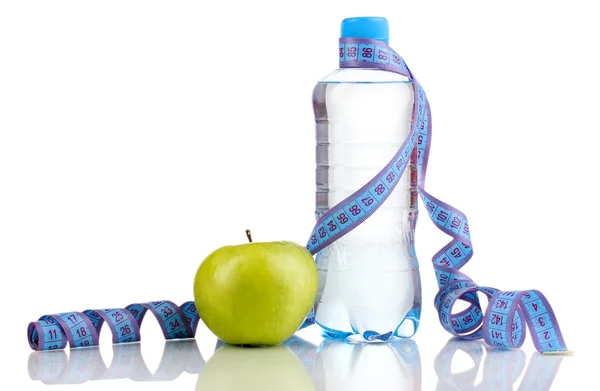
point(369, 279)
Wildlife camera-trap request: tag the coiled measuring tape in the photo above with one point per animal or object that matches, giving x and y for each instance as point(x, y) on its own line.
point(82, 329)
point(502, 324)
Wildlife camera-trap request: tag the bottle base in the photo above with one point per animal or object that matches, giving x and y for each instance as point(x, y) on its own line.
point(406, 329)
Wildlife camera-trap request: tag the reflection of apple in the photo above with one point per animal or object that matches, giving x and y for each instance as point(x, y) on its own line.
point(256, 293)
point(264, 368)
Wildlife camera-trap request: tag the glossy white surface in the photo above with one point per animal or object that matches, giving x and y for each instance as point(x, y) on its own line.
point(301, 363)
point(138, 136)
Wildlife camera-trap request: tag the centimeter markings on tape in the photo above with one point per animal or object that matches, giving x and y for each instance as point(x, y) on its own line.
point(502, 324)
point(82, 329)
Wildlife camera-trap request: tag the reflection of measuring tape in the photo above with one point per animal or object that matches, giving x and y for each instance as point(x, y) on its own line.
point(502, 324)
point(84, 365)
point(501, 368)
point(127, 362)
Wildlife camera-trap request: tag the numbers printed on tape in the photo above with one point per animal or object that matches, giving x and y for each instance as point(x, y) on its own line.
point(81, 329)
point(503, 323)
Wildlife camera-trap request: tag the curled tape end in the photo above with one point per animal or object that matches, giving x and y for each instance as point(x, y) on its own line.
point(559, 353)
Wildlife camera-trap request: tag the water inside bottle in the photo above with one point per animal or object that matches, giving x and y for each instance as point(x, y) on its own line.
point(368, 279)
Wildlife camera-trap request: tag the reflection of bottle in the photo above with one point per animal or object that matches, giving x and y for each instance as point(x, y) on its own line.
point(501, 368)
point(369, 280)
point(391, 366)
point(53, 367)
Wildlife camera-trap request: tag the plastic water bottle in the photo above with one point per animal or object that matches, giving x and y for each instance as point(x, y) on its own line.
point(369, 281)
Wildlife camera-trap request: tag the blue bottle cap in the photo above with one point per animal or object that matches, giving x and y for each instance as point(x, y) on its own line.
point(366, 27)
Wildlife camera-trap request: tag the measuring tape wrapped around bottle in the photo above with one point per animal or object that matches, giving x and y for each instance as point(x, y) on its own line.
point(503, 324)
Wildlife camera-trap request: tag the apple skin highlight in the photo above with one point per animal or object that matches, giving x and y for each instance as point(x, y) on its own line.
point(256, 293)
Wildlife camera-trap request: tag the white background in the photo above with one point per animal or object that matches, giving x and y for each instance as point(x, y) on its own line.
point(138, 136)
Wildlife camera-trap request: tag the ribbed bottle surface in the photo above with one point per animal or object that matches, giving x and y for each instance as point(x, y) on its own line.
point(369, 279)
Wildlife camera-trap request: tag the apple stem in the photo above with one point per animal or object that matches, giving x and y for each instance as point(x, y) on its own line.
point(249, 235)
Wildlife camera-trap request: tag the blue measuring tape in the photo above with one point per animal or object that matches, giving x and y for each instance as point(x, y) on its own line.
point(500, 368)
point(503, 324)
point(82, 329)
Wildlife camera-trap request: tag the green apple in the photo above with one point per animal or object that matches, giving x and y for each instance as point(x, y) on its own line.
point(256, 293)
point(267, 368)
